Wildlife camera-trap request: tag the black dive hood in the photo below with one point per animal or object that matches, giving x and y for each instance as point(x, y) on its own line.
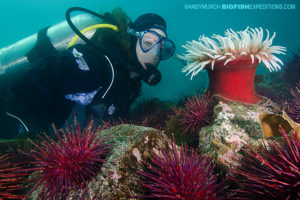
point(151, 75)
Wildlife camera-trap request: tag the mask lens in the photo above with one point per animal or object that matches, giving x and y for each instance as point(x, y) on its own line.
point(148, 41)
point(167, 49)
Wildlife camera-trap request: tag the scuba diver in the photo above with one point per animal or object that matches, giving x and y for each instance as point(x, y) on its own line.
point(101, 77)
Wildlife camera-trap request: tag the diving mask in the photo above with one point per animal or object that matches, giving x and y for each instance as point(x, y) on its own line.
point(150, 41)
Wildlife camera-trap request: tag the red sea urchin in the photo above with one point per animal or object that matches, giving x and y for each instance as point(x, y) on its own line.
point(67, 164)
point(274, 173)
point(10, 179)
point(195, 114)
point(233, 60)
point(180, 175)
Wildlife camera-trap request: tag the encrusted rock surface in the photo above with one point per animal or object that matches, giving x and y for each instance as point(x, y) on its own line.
point(234, 124)
point(118, 179)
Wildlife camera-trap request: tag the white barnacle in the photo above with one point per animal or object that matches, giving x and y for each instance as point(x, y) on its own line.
point(137, 154)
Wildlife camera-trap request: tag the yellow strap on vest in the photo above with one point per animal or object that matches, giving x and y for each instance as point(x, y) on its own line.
point(115, 28)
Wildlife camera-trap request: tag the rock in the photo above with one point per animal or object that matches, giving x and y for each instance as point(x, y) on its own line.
point(234, 124)
point(133, 145)
point(270, 124)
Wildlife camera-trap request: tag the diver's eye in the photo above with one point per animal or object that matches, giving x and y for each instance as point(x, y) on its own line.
point(147, 44)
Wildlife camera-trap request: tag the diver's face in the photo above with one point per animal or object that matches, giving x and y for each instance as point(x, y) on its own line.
point(148, 49)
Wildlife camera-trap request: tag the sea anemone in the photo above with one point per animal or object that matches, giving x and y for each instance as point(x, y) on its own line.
point(231, 62)
point(179, 175)
point(12, 179)
point(273, 173)
point(67, 164)
point(196, 113)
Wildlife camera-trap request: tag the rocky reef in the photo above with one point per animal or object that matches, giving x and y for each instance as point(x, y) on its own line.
point(119, 177)
point(234, 127)
point(236, 124)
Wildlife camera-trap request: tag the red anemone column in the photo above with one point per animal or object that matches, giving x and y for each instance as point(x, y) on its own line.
point(235, 80)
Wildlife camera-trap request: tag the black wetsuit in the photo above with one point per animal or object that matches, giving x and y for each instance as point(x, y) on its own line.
point(45, 92)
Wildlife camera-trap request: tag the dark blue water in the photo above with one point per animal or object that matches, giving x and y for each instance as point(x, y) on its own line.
point(186, 20)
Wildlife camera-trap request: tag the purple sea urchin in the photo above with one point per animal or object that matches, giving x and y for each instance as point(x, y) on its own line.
point(294, 105)
point(274, 173)
point(195, 114)
point(151, 113)
point(180, 175)
point(67, 164)
point(11, 179)
point(269, 92)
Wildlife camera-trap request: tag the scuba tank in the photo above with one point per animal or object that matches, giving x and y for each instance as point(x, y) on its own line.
point(50, 40)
